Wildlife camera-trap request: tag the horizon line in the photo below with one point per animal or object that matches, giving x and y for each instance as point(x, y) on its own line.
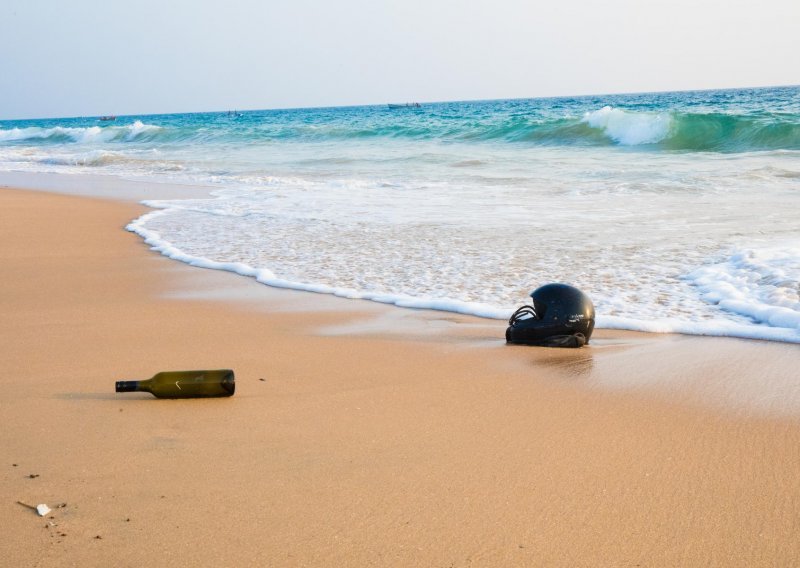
point(421, 102)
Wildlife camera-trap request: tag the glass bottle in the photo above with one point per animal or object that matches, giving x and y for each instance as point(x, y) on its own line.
point(184, 384)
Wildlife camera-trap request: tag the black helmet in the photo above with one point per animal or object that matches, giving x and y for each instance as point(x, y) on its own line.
point(561, 315)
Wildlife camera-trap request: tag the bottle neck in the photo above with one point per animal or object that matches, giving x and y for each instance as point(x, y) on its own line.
point(127, 386)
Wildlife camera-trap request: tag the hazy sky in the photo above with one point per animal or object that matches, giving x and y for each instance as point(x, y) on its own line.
point(91, 57)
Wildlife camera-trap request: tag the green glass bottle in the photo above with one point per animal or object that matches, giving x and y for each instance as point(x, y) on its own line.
point(184, 384)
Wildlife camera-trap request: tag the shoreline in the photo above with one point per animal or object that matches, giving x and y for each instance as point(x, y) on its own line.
point(142, 193)
point(377, 436)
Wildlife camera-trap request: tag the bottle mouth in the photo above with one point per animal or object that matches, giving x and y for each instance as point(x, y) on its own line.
point(228, 383)
point(126, 386)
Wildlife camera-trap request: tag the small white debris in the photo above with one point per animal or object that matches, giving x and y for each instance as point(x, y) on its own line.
point(42, 509)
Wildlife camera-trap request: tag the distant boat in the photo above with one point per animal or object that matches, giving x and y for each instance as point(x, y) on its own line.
point(107, 118)
point(406, 105)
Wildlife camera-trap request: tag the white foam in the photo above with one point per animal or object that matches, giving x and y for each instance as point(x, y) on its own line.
point(19, 133)
point(138, 128)
point(759, 283)
point(90, 134)
point(266, 276)
point(627, 235)
point(775, 329)
point(715, 328)
point(630, 128)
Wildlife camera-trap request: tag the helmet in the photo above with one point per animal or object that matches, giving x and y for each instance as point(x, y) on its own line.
point(561, 315)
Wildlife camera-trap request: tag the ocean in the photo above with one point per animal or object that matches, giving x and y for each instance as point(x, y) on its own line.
point(675, 212)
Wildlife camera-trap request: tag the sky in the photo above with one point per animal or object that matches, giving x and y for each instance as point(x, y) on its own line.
point(94, 57)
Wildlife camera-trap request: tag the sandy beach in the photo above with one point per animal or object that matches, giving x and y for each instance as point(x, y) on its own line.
point(362, 434)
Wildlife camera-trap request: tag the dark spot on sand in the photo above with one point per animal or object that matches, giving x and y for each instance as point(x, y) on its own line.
point(33, 475)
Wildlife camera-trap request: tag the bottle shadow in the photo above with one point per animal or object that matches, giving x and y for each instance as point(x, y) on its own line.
point(88, 396)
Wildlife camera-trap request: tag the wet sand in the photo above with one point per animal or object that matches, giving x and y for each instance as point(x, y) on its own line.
point(361, 434)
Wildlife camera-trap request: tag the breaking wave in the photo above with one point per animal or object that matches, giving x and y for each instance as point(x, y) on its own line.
point(137, 131)
point(665, 130)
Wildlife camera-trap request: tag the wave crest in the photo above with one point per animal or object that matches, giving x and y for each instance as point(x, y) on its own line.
point(630, 128)
point(91, 134)
point(668, 129)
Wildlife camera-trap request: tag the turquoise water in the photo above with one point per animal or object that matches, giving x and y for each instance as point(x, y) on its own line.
point(673, 211)
point(718, 121)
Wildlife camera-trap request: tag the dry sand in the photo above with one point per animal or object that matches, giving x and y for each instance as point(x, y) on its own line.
point(363, 435)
